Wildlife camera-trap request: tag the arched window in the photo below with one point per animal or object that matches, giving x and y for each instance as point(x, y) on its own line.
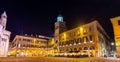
point(85, 39)
point(72, 41)
point(70, 50)
point(66, 49)
point(85, 48)
point(82, 40)
point(77, 41)
point(80, 48)
point(75, 49)
point(92, 47)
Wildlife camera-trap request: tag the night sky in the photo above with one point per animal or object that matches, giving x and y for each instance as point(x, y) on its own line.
point(38, 17)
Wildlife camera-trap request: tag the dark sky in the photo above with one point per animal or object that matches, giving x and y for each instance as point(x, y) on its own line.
point(38, 17)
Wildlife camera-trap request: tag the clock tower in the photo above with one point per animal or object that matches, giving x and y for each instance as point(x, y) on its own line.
point(60, 27)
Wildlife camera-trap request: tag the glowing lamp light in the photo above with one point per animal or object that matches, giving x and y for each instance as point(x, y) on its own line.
point(91, 41)
point(79, 43)
point(22, 53)
point(112, 43)
point(26, 54)
point(81, 29)
point(64, 34)
point(84, 42)
point(74, 43)
point(70, 44)
point(70, 54)
point(65, 54)
point(18, 45)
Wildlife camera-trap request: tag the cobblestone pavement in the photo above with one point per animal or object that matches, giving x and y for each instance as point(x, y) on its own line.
point(57, 59)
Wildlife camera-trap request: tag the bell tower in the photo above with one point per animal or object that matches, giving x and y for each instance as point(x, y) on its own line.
point(60, 27)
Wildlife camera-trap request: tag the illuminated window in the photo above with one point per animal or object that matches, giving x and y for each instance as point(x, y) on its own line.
point(85, 39)
point(91, 38)
point(24, 39)
point(18, 45)
point(78, 33)
point(82, 40)
point(91, 29)
point(85, 31)
point(75, 49)
point(118, 22)
point(77, 41)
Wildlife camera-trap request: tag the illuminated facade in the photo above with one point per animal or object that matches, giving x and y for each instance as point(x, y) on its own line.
point(28, 46)
point(116, 28)
point(89, 39)
point(4, 36)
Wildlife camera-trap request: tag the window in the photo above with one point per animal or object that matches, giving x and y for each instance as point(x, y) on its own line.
point(19, 39)
point(24, 39)
point(82, 40)
point(85, 48)
point(85, 31)
point(80, 48)
point(85, 39)
point(118, 22)
point(91, 38)
point(92, 48)
point(19, 45)
point(78, 33)
point(91, 28)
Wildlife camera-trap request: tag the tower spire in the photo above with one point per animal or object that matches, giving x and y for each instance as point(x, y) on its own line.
point(4, 14)
point(3, 19)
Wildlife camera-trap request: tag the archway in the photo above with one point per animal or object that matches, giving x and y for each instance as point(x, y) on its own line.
point(85, 48)
point(70, 50)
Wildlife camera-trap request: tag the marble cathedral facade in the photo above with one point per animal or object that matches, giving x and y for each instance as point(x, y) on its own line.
point(4, 36)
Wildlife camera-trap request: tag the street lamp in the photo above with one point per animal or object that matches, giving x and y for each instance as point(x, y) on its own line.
point(112, 43)
point(81, 30)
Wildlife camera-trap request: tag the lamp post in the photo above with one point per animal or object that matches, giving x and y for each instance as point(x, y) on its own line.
point(112, 45)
